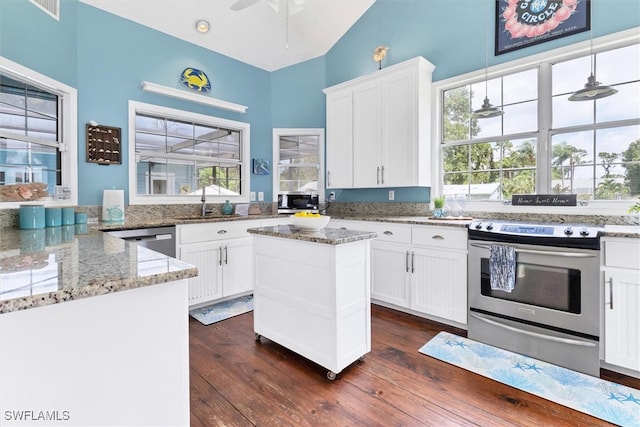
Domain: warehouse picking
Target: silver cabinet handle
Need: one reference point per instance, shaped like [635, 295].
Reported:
[534, 334]
[226, 254]
[328, 178]
[220, 255]
[413, 261]
[406, 262]
[378, 175]
[611, 293]
[222, 231]
[382, 175]
[388, 233]
[437, 237]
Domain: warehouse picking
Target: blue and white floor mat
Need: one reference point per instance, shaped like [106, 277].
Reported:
[603, 399]
[223, 310]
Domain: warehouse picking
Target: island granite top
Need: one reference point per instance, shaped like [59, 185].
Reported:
[54, 265]
[328, 236]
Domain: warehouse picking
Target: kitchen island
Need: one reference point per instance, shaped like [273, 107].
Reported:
[94, 330]
[312, 293]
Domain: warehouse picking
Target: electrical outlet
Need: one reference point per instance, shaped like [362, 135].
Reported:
[252, 196]
[392, 194]
[260, 196]
[332, 196]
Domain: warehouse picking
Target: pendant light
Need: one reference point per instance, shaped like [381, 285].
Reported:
[592, 89]
[487, 110]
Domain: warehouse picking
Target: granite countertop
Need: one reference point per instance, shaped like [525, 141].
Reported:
[328, 236]
[169, 221]
[53, 265]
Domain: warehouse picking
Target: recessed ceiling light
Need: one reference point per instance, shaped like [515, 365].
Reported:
[202, 26]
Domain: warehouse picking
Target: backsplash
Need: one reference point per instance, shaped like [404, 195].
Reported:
[140, 213]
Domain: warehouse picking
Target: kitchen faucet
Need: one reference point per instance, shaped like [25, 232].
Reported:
[203, 199]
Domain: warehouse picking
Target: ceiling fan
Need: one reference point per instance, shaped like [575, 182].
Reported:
[290, 6]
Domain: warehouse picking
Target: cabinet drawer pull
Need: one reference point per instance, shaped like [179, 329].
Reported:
[437, 237]
[388, 233]
[222, 231]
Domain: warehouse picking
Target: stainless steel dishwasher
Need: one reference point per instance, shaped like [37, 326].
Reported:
[159, 239]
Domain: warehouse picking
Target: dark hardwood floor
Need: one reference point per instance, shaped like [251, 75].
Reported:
[236, 381]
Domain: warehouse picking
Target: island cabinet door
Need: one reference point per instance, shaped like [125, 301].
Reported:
[208, 258]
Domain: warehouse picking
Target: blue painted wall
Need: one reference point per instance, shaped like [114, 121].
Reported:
[106, 57]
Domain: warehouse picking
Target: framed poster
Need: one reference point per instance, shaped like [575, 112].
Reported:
[523, 23]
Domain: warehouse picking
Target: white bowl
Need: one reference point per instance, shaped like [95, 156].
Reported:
[310, 223]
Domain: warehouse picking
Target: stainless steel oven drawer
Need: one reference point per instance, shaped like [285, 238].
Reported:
[539, 343]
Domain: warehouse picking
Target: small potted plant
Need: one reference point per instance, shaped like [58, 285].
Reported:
[438, 204]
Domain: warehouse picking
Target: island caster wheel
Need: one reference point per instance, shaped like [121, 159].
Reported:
[258, 336]
[361, 358]
[331, 375]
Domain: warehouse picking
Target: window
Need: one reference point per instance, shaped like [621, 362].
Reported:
[37, 118]
[545, 143]
[179, 155]
[299, 157]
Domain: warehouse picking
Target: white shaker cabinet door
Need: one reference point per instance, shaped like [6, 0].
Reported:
[366, 135]
[206, 257]
[237, 268]
[390, 272]
[622, 318]
[339, 144]
[439, 283]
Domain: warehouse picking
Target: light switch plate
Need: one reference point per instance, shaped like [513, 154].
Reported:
[392, 195]
[252, 196]
[260, 196]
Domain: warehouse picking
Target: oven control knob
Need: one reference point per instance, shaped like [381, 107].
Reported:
[490, 226]
[568, 231]
[478, 226]
[584, 232]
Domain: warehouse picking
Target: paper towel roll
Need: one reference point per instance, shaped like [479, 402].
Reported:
[113, 205]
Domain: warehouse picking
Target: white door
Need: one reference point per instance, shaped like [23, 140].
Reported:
[339, 173]
[237, 268]
[439, 283]
[207, 285]
[366, 135]
[399, 120]
[622, 318]
[390, 272]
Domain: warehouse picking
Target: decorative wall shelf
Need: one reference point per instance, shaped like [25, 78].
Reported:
[103, 144]
[193, 97]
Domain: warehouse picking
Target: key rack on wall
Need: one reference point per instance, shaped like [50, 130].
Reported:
[103, 144]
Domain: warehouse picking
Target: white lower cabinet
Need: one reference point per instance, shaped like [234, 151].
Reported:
[421, 268]
[223, 254]
[622, 303]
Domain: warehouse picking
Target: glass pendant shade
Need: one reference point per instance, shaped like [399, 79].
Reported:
[592, 90]
[487, 110]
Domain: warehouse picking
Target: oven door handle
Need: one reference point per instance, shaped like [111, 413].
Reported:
[534, 334]
[533, 251]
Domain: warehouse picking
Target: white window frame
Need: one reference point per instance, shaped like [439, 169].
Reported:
[277, 133]
[610, 41]
[143, 108]
[68, 124]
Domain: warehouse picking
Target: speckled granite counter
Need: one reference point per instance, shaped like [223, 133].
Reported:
[328, 236]
[161, 221]
[43, 267]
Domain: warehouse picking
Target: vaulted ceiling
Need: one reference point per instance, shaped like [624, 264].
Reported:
[268, 34]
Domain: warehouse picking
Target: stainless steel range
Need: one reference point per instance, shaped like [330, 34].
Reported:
[534, 290]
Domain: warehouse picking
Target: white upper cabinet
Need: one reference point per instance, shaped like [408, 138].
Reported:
[385, 130]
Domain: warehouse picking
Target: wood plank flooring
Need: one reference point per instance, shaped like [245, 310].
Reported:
[236, 381]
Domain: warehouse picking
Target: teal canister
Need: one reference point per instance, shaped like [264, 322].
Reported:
[81, 218]
[53, 217]
[227, 208]
[31, 217]
[68, 216]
